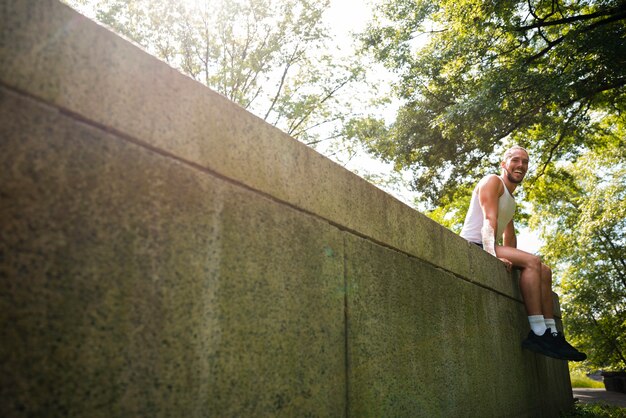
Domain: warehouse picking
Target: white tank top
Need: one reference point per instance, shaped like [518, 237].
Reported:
[474, 218]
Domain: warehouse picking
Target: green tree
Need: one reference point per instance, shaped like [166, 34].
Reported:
[269, 56]
[581, 209]
[475, 75]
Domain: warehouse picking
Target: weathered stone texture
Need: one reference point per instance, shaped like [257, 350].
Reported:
[424, 343]
[133, 285]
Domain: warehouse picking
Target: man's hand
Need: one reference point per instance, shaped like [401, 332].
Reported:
[507, 263]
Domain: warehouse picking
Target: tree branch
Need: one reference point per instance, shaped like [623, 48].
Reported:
[308, 128]
[561, 137]
[546, 49]
[608, 242]
[293, 58]
[617, 11]
[608, 339]
[616, 15]
[330, 94]
[600, 89]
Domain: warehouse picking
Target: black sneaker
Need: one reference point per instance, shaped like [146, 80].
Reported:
[542, 344]
[564, 348]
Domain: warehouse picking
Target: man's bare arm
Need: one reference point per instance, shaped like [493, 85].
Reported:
[488, 194]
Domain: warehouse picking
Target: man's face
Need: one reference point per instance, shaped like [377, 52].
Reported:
[516, 166]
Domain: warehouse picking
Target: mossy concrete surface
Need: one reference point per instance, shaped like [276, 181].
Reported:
[133, 285]
[165, 253]
[423, 343]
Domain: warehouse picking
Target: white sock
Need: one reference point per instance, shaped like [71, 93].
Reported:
[551, 323]
[537, 324]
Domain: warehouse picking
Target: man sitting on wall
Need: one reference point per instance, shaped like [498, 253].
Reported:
[490, 216]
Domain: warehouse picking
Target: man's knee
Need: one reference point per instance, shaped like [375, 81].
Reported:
[535, 263]
[546, 272]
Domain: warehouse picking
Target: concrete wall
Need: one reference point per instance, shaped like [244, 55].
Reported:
[164, 253]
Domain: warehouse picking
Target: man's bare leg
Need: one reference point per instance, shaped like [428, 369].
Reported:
[531, 284]
[536, 288]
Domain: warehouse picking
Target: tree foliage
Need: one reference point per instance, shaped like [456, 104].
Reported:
[272, 57]
[476, 75]
[581, 209]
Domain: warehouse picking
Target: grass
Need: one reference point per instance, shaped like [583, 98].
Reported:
[594, 411]
[579, 380]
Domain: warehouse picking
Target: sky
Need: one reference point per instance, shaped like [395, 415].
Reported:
[348, 15]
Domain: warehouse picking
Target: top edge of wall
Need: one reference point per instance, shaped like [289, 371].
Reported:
[56, 55]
